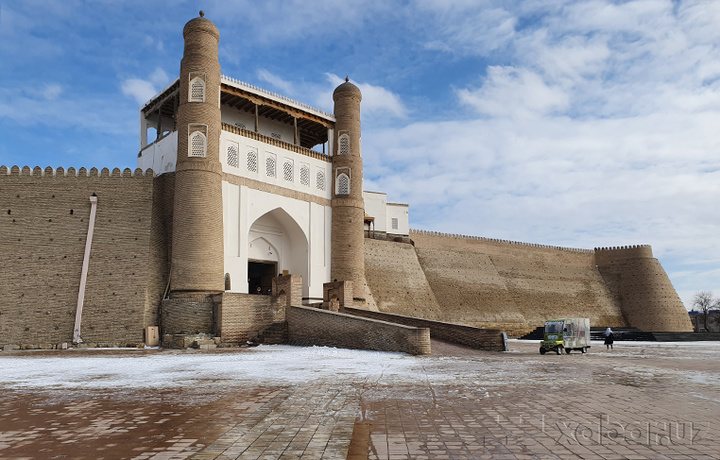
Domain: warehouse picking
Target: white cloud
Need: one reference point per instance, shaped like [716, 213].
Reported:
[142, 90]
[376, 100]
[282, 85]
[52, 91]
[508, 91]
[469, 28]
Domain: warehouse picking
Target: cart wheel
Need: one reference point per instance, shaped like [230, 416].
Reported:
[542, 350]
[558, 350]
[584, 350]
[567, 350]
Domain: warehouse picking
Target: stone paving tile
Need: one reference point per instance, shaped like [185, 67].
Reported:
[636, 406]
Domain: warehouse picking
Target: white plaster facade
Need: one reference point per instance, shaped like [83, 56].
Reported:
[387, 217]
[276, 201]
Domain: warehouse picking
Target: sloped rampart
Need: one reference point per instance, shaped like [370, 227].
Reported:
[648, 299]
[512, 286]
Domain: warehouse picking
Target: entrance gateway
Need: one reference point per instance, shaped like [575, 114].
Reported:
[260, 275]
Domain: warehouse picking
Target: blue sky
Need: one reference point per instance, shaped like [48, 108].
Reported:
[570, 123]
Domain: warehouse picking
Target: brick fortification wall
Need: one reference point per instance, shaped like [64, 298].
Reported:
[44, 224]
[397, 281]
[494, 284]
[312, 326]
[243, 317]
[649, 300]
[482, 339]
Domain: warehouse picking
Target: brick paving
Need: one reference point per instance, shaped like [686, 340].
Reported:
[635, 402]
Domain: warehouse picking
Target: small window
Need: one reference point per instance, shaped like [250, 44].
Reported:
[252, 161]
[197, 87]
[288, 171]
[197, 141]
[270, 166]
[320, 180]
[343, 185]
[344, 145]
[394, 223]
[232, 154]
[305, 175]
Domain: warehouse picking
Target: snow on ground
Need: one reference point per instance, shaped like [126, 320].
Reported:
[282, 364]
[128, 369]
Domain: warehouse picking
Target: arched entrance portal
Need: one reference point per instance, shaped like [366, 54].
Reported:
[276, 243]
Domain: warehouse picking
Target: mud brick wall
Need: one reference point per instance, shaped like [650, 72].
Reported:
[44, 223]
[648, 298]
[510, 286]
[482, 339]
[288, 287]
[245, 316]
[160, 246]
[313, 326]
[397, 281]
[188, 315]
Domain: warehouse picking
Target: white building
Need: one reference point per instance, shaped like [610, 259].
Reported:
[277, 179]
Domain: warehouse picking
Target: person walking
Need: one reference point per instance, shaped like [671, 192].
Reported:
[609, 338]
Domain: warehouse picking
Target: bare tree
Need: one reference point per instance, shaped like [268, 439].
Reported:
[704, 301]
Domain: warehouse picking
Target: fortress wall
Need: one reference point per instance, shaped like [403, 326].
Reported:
[160, 246]
[44, 222]
[396, 280]
[606, 256]
[482, 339]
[513, 286]
[244, 316]
[313, 326]
[648, 298]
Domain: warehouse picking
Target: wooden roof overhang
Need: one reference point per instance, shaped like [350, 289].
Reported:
[312, 129]
[165, 102]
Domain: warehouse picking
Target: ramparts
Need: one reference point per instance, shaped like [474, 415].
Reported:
[481, 339]
[312, 326]
[44, 223]
[512, 286]
[648, 299]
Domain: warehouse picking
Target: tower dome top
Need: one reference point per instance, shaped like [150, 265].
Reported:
[201, 24]
[348, 89]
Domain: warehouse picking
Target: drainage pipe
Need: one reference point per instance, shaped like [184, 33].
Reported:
[83, 275]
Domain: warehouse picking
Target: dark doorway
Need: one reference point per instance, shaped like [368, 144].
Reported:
[260, 275]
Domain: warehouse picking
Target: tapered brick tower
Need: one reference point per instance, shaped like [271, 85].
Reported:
[197, 244]
[348, 207]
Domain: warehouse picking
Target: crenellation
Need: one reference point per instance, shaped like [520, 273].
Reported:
[195, 220]
[494, 240]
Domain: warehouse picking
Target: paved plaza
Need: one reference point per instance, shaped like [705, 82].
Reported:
[640, 400]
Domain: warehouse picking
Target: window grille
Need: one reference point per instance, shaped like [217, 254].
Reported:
[270, 167]
[343, 185]
[305, 175]
[344, 145]
[320, 180]
[197, 145]
[394, 223]
[197, 89]
[288, 171]
[232, 155]
[252, 161]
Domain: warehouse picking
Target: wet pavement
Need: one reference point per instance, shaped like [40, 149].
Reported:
[640, 400]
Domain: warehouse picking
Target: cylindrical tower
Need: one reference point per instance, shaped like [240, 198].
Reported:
[348, 207]
[197, 243]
